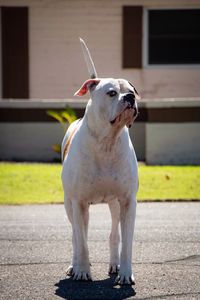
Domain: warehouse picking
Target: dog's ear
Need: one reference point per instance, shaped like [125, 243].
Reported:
[137, 96]
[88, 84]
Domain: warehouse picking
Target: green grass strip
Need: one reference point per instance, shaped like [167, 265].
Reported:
[31, 183]
[169, 183]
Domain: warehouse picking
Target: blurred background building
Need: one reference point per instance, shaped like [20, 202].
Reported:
[155, 44]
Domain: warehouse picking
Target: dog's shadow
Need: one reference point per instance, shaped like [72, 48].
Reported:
[94, 290]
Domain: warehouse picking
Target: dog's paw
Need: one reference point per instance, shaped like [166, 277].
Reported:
[113, 269]
[124, 279]
[70, 271]
[82, 274]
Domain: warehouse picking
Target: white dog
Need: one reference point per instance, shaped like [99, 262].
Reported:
[99, 165]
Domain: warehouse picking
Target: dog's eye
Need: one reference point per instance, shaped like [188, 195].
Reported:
[112, 93]
[131, 92]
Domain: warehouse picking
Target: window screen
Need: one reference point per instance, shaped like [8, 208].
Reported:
[174, 36]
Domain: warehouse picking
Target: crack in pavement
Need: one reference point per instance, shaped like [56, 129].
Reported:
[190, 257]
[168, 296]
[98, 262]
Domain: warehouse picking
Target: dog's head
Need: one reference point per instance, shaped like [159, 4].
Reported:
[114, 100]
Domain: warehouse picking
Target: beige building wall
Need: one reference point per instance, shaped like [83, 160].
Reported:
[57, 67]
[30, 141]
[163, 137]
[173, 144]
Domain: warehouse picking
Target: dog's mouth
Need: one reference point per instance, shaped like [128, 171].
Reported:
[126, 117]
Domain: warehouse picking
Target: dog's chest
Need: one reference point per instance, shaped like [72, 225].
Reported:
[105, 182]
[93, 175]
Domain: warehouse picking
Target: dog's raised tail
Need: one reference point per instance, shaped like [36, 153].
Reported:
[88, 59]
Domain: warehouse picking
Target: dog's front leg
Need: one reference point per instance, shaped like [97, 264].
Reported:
[80, 224]
[114, 237]
[127, 219]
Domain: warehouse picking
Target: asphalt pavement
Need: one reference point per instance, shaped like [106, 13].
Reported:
[35, 250]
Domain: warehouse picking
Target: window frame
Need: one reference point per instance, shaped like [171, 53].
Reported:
[145, 44]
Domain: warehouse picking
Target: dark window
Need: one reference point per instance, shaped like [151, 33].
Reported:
[15, 65]
[132, 36]
[174, 36]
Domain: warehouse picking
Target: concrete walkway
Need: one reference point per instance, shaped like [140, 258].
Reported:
[35, 249]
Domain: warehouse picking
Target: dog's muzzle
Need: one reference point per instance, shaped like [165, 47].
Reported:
[130, 99]
[129, 103]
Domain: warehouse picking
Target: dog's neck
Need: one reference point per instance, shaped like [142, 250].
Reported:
[105, 137]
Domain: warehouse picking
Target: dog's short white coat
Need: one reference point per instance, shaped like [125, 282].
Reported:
[99, 167]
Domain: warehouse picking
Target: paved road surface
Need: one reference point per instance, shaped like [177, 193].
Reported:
[35, 249]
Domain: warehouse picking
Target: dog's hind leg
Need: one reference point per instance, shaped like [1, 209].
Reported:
[114, 237]
[68, 207]
[80, 225]
[86, 220]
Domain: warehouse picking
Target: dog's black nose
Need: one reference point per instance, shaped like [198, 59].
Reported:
[130, 99]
